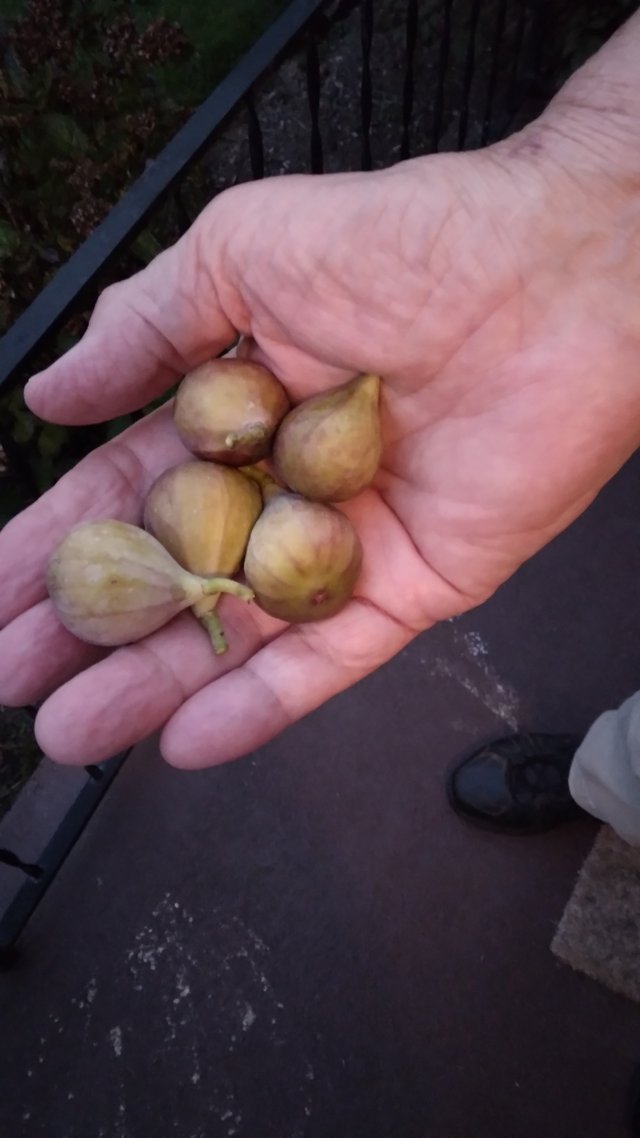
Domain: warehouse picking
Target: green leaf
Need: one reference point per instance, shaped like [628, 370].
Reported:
[116, 426]
[22, 422]
[15, 74]
[64, 342]
[146, 246]
[9, 239]
[51, 440]
[64, 133]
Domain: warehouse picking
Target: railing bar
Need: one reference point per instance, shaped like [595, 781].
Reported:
[49, 310]
[254, 135]
[407, 95]
[443, 62]
[55, 853]
[8, 857]
[313, 95]
[366, 101]
[498, 39]
[469, 68]
[512, 97]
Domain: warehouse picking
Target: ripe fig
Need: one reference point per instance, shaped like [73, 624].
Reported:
[303, 559]
[328, 448]
[203, 514]
[111, 583]
[227, 411]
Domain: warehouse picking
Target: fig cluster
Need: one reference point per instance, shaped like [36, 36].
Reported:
[219, 516]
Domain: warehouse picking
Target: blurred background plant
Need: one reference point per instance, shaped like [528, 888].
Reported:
[90, 91]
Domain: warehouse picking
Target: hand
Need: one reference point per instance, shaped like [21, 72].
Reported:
[492, 291]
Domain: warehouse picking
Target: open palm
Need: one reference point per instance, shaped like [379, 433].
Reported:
[490, 294]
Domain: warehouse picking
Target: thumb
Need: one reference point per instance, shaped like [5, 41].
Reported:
[144, 332]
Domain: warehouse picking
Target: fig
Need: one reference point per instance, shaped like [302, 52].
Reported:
[111, 583]
[228, 410]
[302, 560]
[328, 448]
[202, 514]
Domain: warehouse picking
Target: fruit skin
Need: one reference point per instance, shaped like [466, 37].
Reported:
[203, 514]
[303, 559]
[328, 448]
[228, 410]
[111, 583]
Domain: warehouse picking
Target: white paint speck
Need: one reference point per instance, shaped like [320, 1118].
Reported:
[115, 1035]
[475, 674]
[475, 644]
[183, 989]
[92, 989]
[249, 1018]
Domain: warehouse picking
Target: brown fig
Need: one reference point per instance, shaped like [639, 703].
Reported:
[111, 583]
[203, 514]
[303, 559]
[328, 448]
[228, 410]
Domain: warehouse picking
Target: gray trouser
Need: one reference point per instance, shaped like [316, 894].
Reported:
[605, 773]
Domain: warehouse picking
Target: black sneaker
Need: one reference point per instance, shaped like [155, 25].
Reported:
[516, 785]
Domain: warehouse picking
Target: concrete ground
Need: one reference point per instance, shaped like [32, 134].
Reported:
[308, 944]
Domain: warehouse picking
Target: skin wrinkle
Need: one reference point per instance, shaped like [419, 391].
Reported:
[413, 541]
[338, 657]
[165, 351]
[285, 714]
[59, 653]
[144, 650]
[130, 471]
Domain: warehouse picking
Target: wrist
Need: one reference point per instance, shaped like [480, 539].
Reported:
[591, 129]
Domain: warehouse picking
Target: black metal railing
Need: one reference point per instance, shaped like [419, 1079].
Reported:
[467, 70]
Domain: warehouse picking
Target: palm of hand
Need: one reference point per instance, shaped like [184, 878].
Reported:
[509, 398]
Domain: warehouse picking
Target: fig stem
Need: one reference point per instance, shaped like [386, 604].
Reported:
[205, 605]
[211, 585]
[269, 486]
[213, 625]
[253, 434]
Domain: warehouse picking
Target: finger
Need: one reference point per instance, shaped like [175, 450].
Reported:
[37, 655]
[143, 334]
[283, 682]
[112, 482]
[131, 694]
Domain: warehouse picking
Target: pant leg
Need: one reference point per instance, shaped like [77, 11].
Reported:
[605, 774]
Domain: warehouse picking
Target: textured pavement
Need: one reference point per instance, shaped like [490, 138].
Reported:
[307, 944]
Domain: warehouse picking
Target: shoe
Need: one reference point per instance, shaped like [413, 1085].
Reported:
[516, 785]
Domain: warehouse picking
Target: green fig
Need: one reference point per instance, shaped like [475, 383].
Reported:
[111, 583]
[328, 448]
[203, 514]
[228, 410]
[302, 560]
